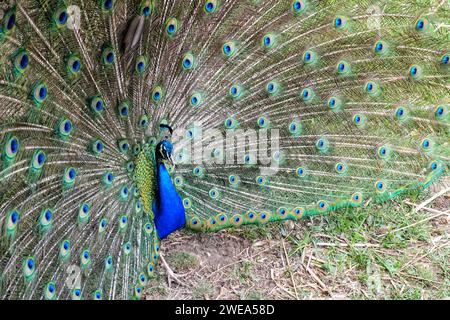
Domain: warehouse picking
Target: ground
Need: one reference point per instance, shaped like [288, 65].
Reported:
[398, 250]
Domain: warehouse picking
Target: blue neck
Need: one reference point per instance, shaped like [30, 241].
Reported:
[168, 207]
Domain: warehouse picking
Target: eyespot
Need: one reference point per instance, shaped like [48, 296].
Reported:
[76, 294]
[141, 64]
[64, 128]
[359, 120]
[340, 168]
[187, 203]
[230, 123]
[97, 104]
[380, 186]
[29, 268]
[198, 171]
[273, 88]
[335, 103]
[372, 89]
[307, 94]
[445, 60]
[214, 193]
[269, 41]
[421, 24]
[39, 93]
[124, 109]
[146, 8]
[97, 147]
[98, 293]
[12, 222]
[64, 250]
[380, 48]
[73, 65]
[295, 128]
[383, 152]
[301, 172]
[263, 122]
[298, 6]
[261, 181]
[157, 94]
[70, 175]
[11, 147]
[401, 114]
[322, 145]
[234, 180]
[441, 112]
[60, 17]
[211, 6]
[50, 291]
[427, 144]
[322, 206]
[343, 68]
[282, 212]
[416, 72]
[127, 248]
[340, 23]
[9, 20]
[264, 217]
[298, 212]
[124, 192]
[123, 222]
[188, 61]
[143, 122]
[46, 217]
[357, 198]
[150, 269]
[124, 146]
[108, 178]
[196, 99]
[107, 5]
[21, 61]
[229, 49]
[108, 56]
[171, 26]
[249, 159]
[236, 91]
[309, 57]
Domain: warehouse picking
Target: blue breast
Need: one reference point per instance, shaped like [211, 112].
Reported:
[168, 207]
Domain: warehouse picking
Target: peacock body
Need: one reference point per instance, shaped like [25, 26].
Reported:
[280, 109]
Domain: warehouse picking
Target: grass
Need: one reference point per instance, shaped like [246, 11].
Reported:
[383, 251]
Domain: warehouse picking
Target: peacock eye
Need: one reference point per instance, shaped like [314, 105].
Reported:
[343, 68]
[141, 64]
[421, 24]
[157, 94]
[9, 20]
[263, 122]
[211, 6]
[269, 41]
[307, 95]
[188, 61]
[236, 91]
[60, 17]
[21, 61]
[108, 56]
[309, 57]
[107, 5]
[340, 23]
[97, 104]
[229, 49]
[298, 6]
[171, 26]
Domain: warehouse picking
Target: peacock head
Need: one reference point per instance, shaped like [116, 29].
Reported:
[164, 148]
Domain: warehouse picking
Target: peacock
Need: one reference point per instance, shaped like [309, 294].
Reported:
[124, 121]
